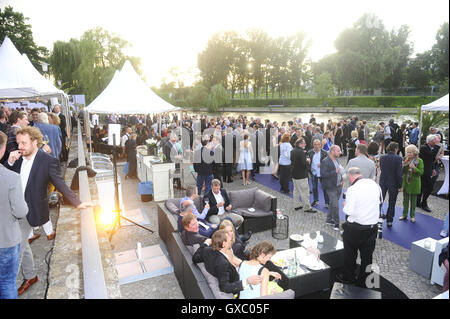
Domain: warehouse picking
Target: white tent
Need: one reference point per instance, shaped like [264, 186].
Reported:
[19, 78]
[440, 105]
[127, 93]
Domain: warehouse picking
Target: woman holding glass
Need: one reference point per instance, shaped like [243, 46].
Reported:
[412, 170]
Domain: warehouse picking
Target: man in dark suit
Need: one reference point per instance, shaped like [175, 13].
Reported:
[428, 153]
[203, 158]
[220, 205]
[3, 122]
[299, 164]
[218, 265]
[63, 127]
[331, 173]
[190, 234]
[36, 169]
[17, 119]
[391, 178]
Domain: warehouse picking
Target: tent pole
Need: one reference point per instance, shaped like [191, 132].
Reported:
[420, 130]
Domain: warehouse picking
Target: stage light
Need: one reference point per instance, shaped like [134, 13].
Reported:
[107, 219]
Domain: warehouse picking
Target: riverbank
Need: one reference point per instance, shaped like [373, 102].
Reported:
[285, 109]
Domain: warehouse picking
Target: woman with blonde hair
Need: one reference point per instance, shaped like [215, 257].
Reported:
[412, 171]
[238, 246]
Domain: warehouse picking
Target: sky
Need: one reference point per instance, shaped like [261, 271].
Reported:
[171, 33]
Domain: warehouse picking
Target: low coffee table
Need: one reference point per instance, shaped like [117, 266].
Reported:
[302, 279]
[331, 249]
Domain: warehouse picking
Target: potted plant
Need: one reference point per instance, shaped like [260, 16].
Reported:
[151, 147]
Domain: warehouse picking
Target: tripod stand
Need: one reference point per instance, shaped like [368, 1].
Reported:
[117, 225]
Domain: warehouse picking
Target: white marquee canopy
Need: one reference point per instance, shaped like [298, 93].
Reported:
[127, 93]
[441, 105]
[19, 78]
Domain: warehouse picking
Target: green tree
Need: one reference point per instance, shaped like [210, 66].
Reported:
[324, 87]
[419, 71]
[88, 65]
[397, 58]
[198, 96]
[440, 54]
[218, 98]
[14, 26]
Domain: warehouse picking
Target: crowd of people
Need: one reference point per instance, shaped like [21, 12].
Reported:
[226, 149]
[32, 144]
[386, 160]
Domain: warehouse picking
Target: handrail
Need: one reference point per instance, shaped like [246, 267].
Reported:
[93, 276]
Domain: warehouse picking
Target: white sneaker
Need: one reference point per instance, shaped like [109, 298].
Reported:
[443, 233]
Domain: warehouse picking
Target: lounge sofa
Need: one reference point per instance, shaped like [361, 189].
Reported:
[259, 219]
[194, 280]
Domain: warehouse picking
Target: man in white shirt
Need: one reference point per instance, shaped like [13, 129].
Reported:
[362, 206]
[220, 205]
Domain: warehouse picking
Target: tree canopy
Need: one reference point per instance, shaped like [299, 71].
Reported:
[87, 65]
[14, 26]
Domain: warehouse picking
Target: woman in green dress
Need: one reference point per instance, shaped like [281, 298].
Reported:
[412, 170]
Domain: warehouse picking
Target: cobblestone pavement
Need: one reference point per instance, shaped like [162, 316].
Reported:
[392, 259]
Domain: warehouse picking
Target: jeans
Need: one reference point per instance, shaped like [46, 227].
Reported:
[393, 193]
[9, 268]
[333, 209]
[315, 189]
[446, 224]
[207, 180]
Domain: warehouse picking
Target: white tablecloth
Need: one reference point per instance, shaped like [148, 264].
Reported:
[444, 188]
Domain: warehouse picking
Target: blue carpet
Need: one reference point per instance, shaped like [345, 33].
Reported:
[402, 233]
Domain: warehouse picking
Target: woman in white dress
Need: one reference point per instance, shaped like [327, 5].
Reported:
[245, 163]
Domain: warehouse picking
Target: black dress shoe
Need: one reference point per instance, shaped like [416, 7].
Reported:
[247, 236]
[426, 208]
[342, 279]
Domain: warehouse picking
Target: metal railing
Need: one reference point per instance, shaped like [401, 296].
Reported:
[93, 276]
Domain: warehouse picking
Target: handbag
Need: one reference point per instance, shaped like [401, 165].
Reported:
[272, 285]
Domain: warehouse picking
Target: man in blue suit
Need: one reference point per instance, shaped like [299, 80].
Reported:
[36, 169]
[391, 178]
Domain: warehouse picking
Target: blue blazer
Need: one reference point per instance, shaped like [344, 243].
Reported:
[391, 170]
[42, 172]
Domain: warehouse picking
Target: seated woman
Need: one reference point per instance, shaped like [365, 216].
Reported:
[259, 254]
[238, 246]
[220, 265]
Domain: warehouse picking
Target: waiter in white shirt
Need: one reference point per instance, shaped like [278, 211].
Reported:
[362, 206]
